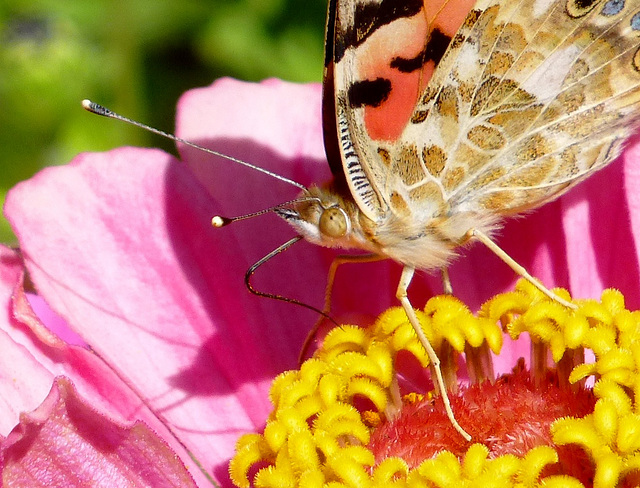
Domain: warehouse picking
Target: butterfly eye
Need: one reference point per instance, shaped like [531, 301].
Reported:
[333, 222]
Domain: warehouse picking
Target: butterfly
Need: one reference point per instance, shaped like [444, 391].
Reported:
[441, 118]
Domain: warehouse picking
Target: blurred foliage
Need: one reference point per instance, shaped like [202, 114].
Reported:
[136, 57]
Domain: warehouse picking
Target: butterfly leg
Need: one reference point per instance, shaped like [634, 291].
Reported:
[331, 276]
[446, 281]
[405, 280]
[498, 251]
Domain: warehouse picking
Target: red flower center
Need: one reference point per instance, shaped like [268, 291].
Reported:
[511, 416]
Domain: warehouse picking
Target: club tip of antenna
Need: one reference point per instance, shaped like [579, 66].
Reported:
[94, 107]
[219, 221]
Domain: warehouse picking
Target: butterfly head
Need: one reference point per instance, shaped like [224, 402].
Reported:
[325, 217]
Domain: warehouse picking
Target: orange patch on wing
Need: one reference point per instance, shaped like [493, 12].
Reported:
[386, 122]
[448, 15]
[405, 38]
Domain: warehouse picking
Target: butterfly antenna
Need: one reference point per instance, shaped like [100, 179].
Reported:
[105, 112]
[250, 272]
[220, 221]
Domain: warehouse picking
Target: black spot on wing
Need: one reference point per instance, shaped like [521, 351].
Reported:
[585, 3]
[580, 8]
[437, 45]
[369, 92]
[405, 65]
[369, 17]
[433, 51]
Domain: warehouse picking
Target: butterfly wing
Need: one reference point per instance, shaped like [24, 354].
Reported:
[380, 57]
[531, 98]
[527, 100]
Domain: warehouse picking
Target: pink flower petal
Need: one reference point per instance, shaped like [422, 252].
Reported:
[601, 247]
[121, 246]
[274, 124]
[32, 357]
[67, 443]
[54, 322]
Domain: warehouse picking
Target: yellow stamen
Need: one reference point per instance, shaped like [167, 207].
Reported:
[316, 437]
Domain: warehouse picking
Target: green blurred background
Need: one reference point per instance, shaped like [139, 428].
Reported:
[136, 57]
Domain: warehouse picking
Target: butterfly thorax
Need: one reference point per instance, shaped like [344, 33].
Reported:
[331, 218]
[431, 242]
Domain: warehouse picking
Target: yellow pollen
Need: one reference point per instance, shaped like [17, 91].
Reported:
[318, 432]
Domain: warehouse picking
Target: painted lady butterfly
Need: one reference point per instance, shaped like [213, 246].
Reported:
[442, 117]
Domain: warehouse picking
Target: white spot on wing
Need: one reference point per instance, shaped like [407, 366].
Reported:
[547, 79]
[467, 62]
[541, 6]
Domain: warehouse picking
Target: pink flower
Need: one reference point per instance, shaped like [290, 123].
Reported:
[119, 245]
